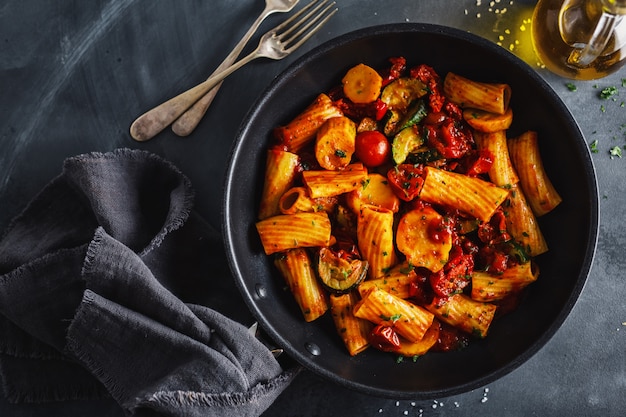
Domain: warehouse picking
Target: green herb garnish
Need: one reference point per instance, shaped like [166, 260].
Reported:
[608, 92]
[616, 151]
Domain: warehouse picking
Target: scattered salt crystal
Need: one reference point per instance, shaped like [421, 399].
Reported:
[380, 410]
[397, 403]
[456, 404]
[412, 403]
[484, 400]
[406, 413]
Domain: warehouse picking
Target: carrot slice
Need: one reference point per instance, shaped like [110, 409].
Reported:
[362, 84]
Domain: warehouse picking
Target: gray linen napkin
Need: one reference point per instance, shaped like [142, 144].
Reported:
[105, 279]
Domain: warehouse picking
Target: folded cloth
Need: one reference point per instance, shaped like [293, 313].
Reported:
[106, 283]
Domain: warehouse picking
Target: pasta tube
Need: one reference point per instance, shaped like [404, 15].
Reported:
[396, 282]
[541, 194]
[375, 239]
[297, 200]
[460, 311]
[335, 143]
[302, 129]
[280, 172]
[502, 172]
[289, 231]
[295, 267]
[409, 320]
[323, 183]
[352, 330]
[490, 97]
[470, 195]
[488, 287]
[522, 223]
[415, 238]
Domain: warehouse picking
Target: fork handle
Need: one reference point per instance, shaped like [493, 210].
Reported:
[152, 122]
[188, 121]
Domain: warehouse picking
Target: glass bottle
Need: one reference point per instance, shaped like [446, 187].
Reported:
[580, 39]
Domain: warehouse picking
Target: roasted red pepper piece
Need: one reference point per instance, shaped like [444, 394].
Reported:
[398, 66]
[429, 76]
[494, 231]
[406, 180]
[450, 140]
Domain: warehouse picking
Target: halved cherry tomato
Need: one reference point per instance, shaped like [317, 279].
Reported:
[455, 275]
[372, 148]
[384, 338]
[406, 180]
[450, 339]
[478, 162]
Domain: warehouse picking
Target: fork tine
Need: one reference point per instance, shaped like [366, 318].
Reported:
[310, 19]
[299, 13]
[303, 30]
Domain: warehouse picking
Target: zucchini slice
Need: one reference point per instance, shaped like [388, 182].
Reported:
[407, 141]
[416, 113]
[401, 92]
[340, 275]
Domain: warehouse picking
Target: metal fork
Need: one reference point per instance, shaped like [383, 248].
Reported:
[188, 121]
[276, 44]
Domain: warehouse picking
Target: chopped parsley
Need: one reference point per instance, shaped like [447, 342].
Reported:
[608, 92]
[616, 151]
[593, 146]
[571, 86]
[340, 153]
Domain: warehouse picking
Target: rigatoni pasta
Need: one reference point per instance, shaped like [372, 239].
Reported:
[301, 230]
[403, 251]
[541, 194]
[295, 267]
[353, 330]
[280, 173]
[490, 97]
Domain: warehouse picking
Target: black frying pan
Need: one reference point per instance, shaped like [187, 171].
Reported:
[571, 230]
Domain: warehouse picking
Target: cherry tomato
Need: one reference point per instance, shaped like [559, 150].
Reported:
[384, 338]
[454, 277]
[372, 148]
[450, 339]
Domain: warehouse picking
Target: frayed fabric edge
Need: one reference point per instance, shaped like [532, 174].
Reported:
[75, 349]
[194, 399]
[138, 154]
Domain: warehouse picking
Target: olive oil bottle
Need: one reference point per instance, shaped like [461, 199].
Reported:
[580, 39]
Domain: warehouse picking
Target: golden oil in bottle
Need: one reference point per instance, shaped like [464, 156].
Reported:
[560, 27]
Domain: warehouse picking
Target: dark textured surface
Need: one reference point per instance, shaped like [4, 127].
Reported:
[74, 75]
